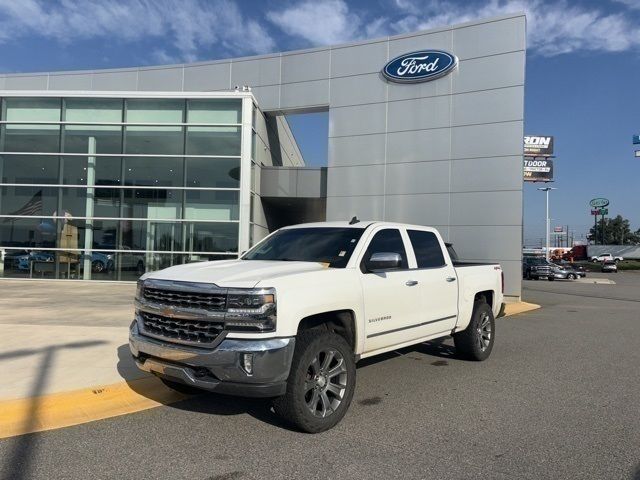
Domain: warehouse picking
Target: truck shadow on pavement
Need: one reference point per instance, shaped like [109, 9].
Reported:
[205, 402]
[259, 408]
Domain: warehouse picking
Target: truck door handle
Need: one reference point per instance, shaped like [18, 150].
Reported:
[411, 283]
[451, 279]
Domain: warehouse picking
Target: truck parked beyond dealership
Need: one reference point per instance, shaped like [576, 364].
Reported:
[291, 317]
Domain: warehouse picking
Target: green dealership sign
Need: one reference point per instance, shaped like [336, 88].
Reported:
[599, 202]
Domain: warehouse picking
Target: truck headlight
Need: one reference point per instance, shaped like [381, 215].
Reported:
[251, 309]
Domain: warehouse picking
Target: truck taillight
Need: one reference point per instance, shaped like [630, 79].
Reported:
[502, 278]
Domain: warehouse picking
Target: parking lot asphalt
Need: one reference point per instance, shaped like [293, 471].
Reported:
[558, 398]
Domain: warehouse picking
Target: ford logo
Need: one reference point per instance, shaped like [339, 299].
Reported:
[599, 202]
[419, 66]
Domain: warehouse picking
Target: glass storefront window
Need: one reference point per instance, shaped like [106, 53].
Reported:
[106, 202]
[42, 138]
[212, 237]
[213, 172]
[93, 110]
[154, 110]
[106, 170]
[153, 171]
[29, 168]
[91, 139]
[214, 111]
[32, 109]
[151, 203]
[213, 141]
[153, 140]
[28, 232]
[211, 205]
[28, 201]
[120, 167]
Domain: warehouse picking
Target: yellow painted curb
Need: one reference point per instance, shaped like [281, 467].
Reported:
[519, 307]
[37, 414]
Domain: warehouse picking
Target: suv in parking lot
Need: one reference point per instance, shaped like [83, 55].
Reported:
[535, 268]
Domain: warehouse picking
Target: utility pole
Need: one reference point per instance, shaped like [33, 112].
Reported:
[548, 223]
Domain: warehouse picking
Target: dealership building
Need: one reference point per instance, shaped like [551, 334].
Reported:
[106, 174]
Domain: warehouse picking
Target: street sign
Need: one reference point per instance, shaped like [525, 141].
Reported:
[636, 139]
[637, 153]
[599, 202]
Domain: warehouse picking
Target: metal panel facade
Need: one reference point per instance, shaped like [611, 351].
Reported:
[384, 138]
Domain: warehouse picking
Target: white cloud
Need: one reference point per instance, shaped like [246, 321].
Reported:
[319, 22]
[188, 27]
[553, 28]
[633, 4]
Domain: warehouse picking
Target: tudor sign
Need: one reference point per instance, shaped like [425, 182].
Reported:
[420, 66]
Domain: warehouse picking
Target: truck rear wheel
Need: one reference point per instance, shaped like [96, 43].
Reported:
[321, 382]
[476, 342]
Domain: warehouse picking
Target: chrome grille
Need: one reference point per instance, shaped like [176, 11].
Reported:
[194, 332]
[185, 299]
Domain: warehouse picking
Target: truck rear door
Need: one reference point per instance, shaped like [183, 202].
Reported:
[438, 284]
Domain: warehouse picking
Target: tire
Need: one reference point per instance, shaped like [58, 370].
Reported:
[551, 279]
[97, 266]
[181, 387]
[571, 276]
[315, 402]
[476, 341]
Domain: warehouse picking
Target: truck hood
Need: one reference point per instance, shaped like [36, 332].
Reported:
[234, 273]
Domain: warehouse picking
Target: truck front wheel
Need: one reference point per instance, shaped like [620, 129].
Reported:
[321, 382]
[476, 342]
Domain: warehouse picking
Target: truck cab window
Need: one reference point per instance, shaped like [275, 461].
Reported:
[427, 249]
[388, 240]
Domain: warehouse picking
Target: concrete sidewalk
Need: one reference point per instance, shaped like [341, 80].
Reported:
[66, 335]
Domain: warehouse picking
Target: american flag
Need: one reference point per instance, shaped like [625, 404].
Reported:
[32, 207]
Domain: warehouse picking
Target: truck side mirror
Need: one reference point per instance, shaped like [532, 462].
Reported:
[383, 261]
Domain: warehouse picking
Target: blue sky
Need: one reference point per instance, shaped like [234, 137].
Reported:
[583, 67]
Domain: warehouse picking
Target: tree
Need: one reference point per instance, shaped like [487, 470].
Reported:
[617, 231]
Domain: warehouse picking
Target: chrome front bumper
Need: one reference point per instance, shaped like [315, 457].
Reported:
[219, 369]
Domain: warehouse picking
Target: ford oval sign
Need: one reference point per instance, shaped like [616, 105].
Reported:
[599, 202]
[419, 66]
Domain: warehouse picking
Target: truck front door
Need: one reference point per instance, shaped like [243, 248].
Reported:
[391, 298]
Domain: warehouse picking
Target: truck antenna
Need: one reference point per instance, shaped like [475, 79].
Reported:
[354, 220]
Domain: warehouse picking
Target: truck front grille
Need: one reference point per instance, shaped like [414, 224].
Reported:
[183, 299]
[193, 332]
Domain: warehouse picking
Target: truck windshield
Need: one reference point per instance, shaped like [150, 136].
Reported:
[324, 244]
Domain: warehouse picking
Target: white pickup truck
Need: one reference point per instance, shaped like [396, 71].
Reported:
[294, 314]
[604, 257]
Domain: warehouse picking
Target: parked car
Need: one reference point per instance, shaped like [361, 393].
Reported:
[609, 266]
[100, 261]
[291, 317]
[605, 256]
[24, 261]
[568, 271]
[535, 268]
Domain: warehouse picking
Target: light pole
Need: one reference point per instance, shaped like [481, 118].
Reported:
[547, 190]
